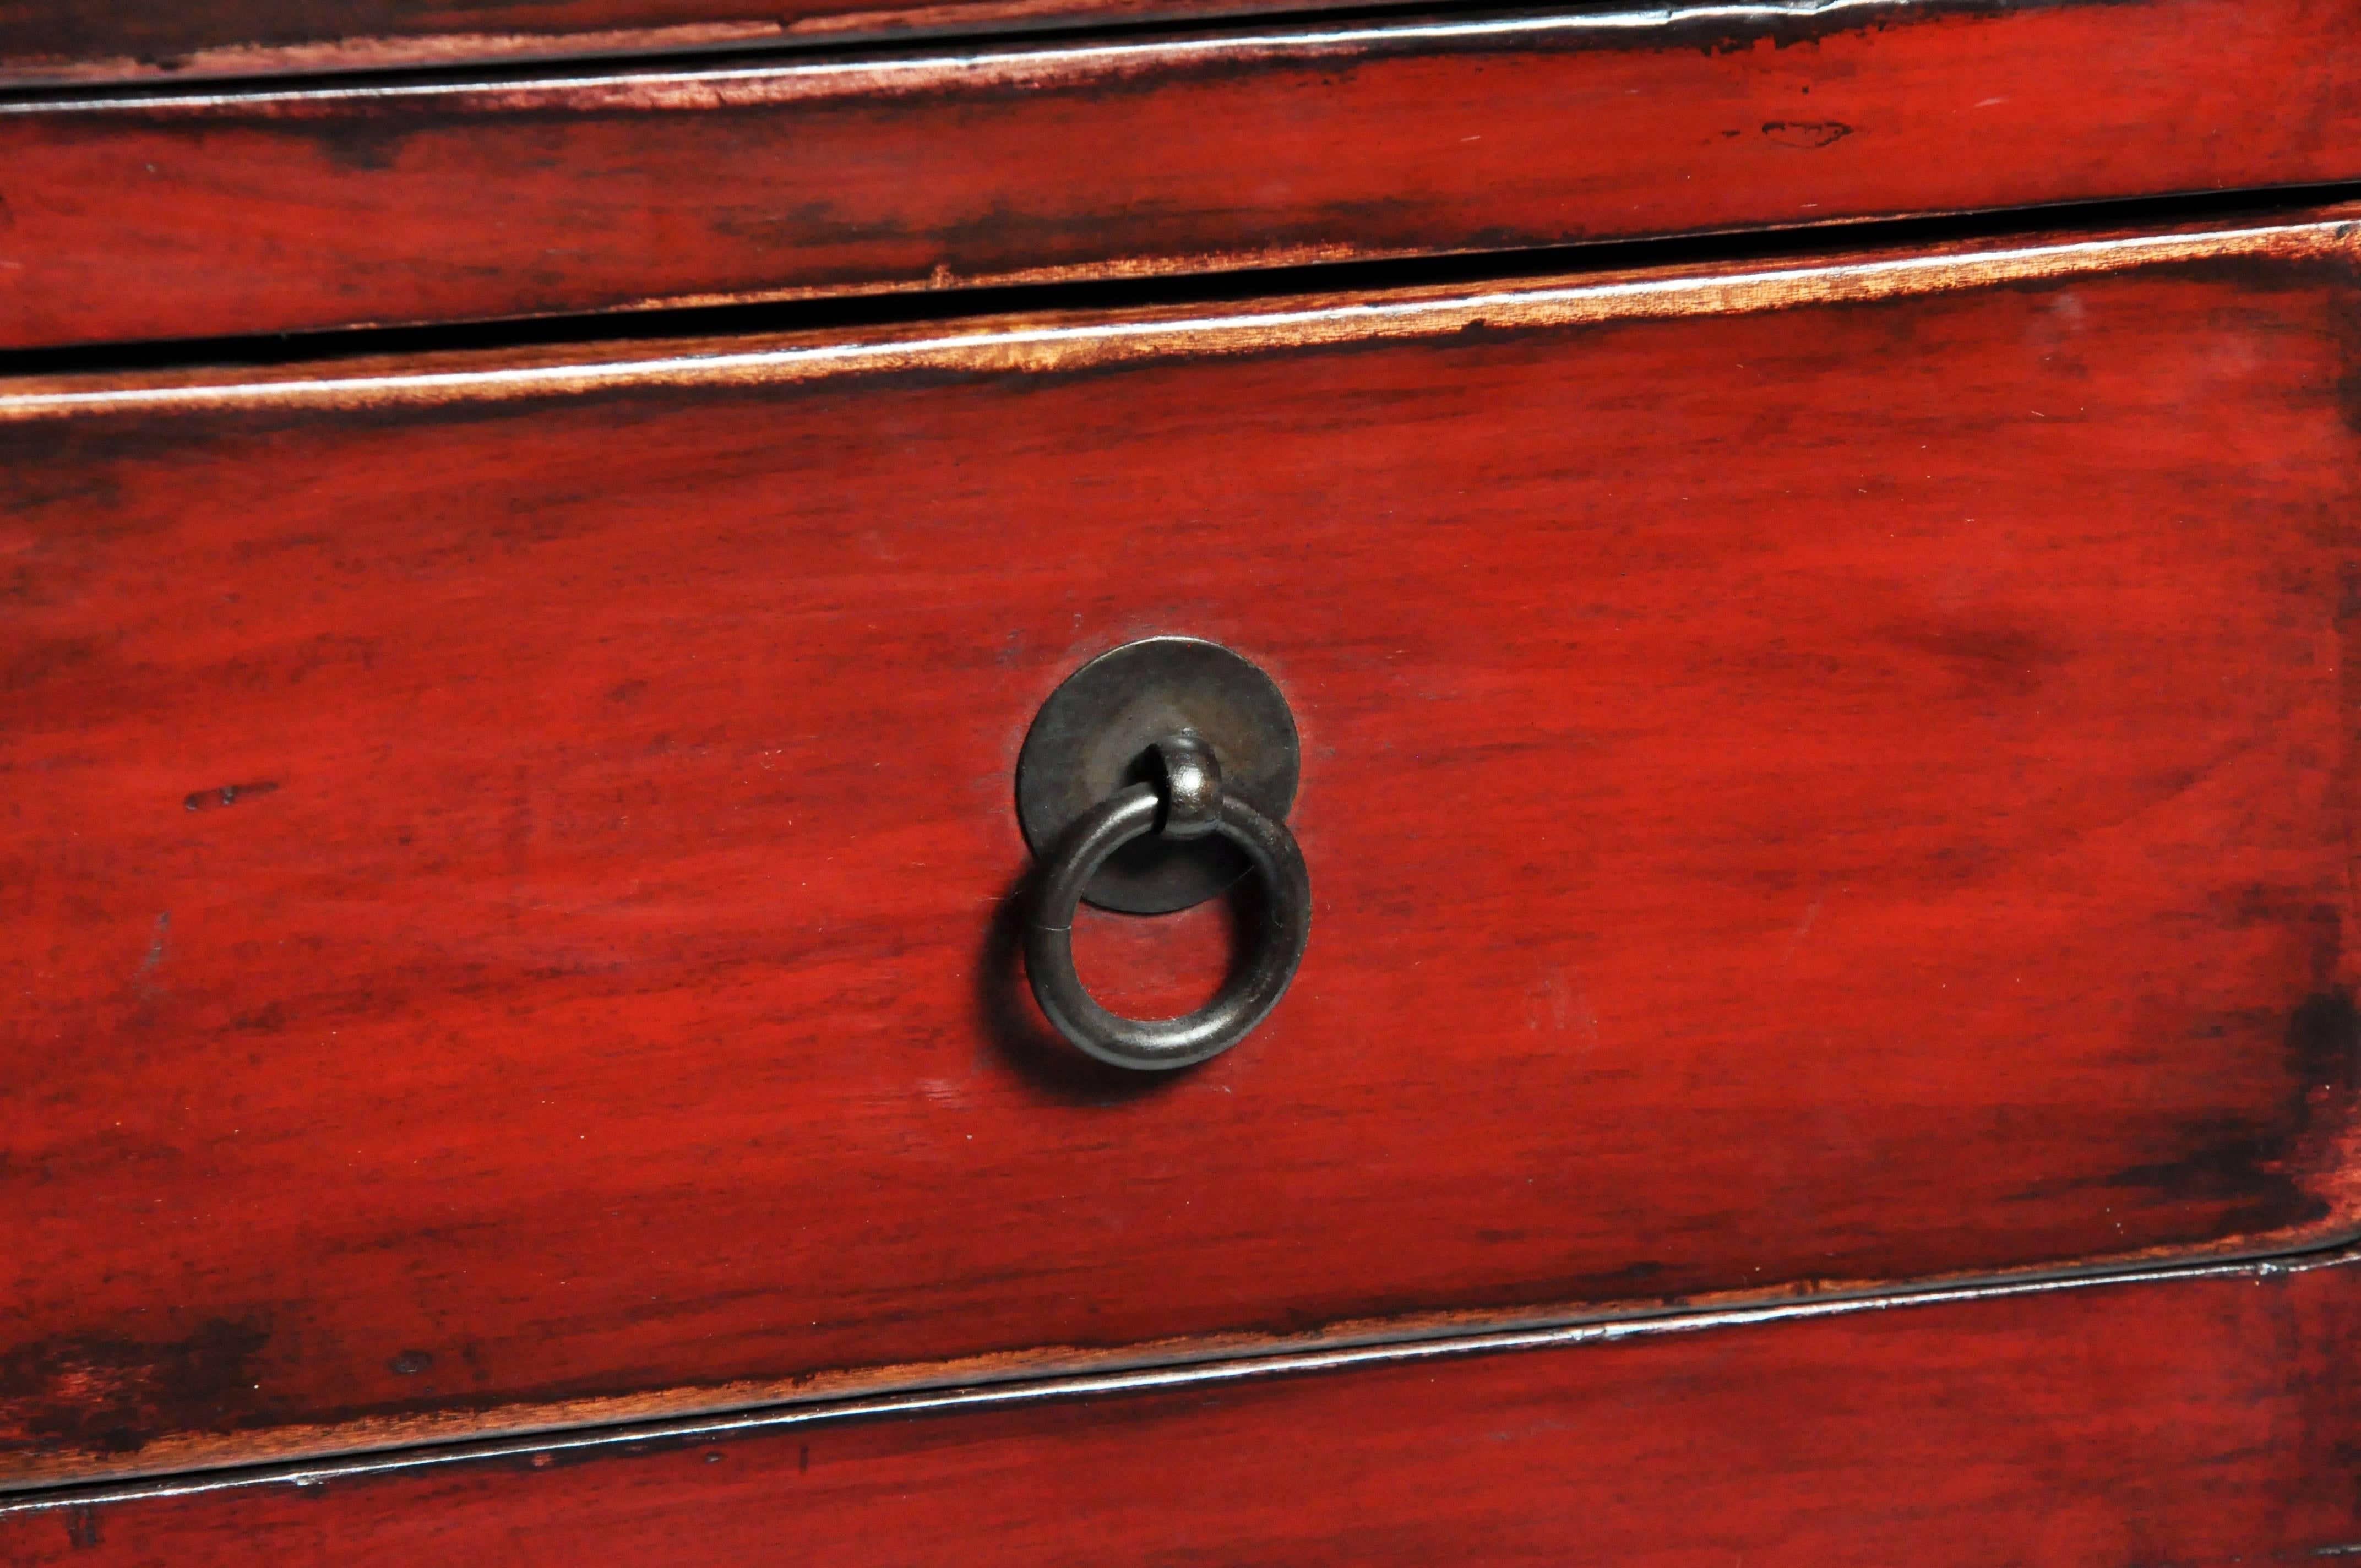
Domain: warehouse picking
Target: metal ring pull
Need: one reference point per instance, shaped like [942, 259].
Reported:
[1193, 803]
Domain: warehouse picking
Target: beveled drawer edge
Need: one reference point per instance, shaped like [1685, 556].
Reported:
[228, 63]
[624, 1432]
[1056, 343]
[987, 22]
[298, 1454]
[627, 87]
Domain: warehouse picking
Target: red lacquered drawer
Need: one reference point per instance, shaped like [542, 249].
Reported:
[1827, 775]
[199, 214]
[2200, 1420]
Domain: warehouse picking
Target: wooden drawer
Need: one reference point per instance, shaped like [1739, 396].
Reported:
[2203, 1418]
[1827, 775]
[57, 41]
[222, 212]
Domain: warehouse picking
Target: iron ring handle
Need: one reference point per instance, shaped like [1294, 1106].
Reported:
[1193, 805]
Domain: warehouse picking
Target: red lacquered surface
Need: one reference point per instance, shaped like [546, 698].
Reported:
[2204, 1420]
[1842, 776]
[46, 43]
[206, 215]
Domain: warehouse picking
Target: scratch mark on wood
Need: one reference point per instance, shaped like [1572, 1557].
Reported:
[227, 794]
[1804, 928]
[156, 946]
[1807, 134]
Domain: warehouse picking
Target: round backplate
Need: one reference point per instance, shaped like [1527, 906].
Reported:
[1092, 738]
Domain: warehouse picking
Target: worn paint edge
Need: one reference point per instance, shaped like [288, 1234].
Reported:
[621, 1438]
[494, 50]
[395, 51]
[1051, 348]
[714, 88]
[185, 1453]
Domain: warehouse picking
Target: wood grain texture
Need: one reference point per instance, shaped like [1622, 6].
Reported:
[2195, 1420]
[204, 214]
[1811, 778]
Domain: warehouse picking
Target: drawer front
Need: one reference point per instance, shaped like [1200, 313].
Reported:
[285, 211]
[2192, 1419]
[1810, 778]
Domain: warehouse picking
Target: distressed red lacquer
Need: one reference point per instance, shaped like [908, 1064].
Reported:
[514, 877]
[211, 213]
[2204, 1421]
